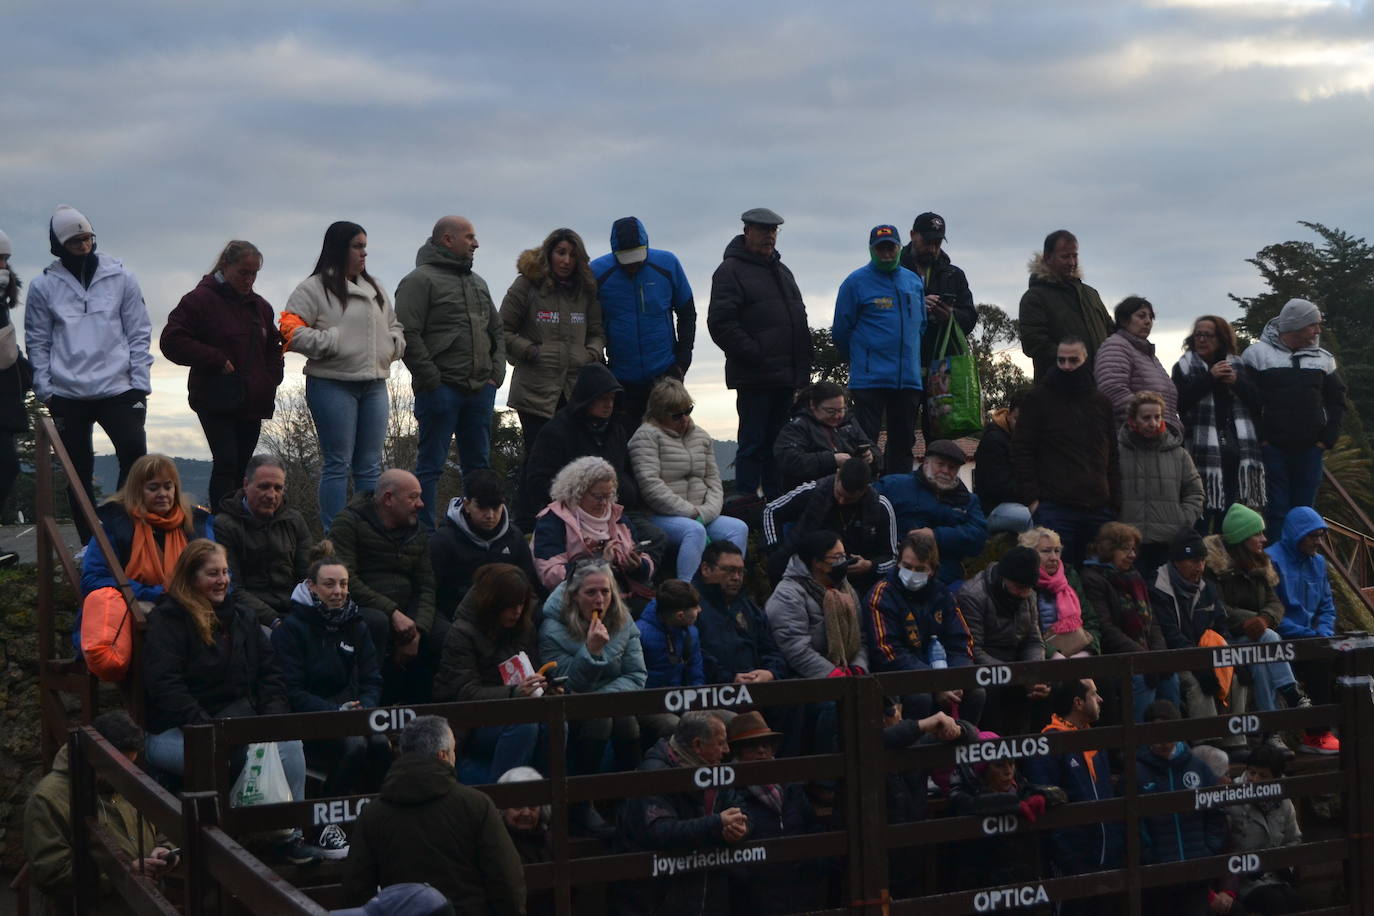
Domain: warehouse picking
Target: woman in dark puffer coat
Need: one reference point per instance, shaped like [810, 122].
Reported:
[225, 332]
[820, 437]
[493, 625]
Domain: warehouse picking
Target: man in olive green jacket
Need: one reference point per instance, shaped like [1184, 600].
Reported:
[455, 351]
[48, 824]
[379, 539]
[1058, 304]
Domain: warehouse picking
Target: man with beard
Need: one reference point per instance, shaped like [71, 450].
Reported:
[946, 288]
[879, 328]
[1085, 776]
[1058, 303]
[1064, 452]
[932, 499]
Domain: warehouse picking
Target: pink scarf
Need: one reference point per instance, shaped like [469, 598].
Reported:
[594, 529]
[1065, 598]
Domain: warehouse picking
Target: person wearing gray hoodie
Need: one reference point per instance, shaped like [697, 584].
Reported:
[87, 331]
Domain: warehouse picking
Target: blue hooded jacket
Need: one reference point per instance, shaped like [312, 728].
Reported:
[672, 655]
[880, 318]
[1304, 589]
[637, 313]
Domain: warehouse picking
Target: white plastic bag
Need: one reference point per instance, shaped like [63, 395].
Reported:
[262, 780]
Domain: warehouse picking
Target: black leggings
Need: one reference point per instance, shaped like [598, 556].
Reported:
[121, 417]
[231, 439]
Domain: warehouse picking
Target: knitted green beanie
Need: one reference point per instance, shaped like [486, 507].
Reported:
[1241, 522]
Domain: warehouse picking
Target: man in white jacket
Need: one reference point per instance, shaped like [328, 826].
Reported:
[87, 331]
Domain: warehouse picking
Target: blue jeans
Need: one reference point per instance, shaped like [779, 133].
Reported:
[1077, 528]
[1166, 689]
[689, 536]
[1268, 678]
[167, 752]
[350, 421]
[441, 414]
[506, 746]
[762, 412]
[1291, 479]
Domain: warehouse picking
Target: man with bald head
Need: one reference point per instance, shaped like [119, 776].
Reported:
[379, 538]
[455, 352]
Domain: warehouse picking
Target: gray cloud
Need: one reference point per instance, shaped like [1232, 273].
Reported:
[1176, 137]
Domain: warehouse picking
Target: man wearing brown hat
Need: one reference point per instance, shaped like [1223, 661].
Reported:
[758, 319]
[774, 810]
[933, 499]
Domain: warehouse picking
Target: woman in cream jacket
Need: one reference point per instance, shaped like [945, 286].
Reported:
[341, 320]
[674, 461]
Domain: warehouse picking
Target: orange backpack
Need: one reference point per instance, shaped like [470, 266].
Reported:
[107, 634]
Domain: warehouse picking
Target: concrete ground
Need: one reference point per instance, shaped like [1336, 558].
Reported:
[23, 540]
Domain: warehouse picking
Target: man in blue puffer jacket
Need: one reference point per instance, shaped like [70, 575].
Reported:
[1308, 609]
[641, 289]
[880, 318]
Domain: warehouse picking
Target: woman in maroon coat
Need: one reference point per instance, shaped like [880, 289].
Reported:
[225, 332]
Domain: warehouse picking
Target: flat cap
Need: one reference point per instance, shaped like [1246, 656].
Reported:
[948, 450]
[761, 216]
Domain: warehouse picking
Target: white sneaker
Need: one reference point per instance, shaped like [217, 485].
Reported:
[333, 842]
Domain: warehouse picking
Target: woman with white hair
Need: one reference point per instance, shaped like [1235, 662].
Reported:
[675, 464]
[596, 646]
[1067, 619]
[584, 520]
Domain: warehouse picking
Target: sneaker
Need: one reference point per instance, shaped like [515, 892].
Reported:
[295, 850]
[1276, 741]
[8, 558]
[1324, 743]
[333, 842]
[80, 555]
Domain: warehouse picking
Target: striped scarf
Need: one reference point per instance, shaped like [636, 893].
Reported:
[1204, 444]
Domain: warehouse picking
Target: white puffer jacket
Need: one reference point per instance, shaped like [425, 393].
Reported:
[354, 344]
[677, 475]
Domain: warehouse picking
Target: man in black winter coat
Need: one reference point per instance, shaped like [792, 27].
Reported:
[476, 530]
[845, 503]
[584, 426]
[758, 320]
[681, 825]
[947, 292]
[266, 541]
[994, 479]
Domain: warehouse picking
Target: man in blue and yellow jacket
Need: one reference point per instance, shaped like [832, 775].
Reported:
[880, 318]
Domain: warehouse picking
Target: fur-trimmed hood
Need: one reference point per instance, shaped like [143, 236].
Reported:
[1040, 271]
[532, 265]
[1220, 563]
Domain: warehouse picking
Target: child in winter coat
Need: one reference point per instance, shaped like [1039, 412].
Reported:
[672, 649]
[1265, 823]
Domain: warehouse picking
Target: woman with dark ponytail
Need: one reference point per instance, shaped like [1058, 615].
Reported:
[224, 331]
[341, 320]
[821, 436]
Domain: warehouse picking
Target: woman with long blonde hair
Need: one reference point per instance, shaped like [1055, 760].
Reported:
[148, 525]
[205, 657]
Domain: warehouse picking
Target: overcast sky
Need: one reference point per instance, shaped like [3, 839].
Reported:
[1175, 137]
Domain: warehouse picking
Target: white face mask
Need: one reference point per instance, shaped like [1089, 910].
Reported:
[913, 580]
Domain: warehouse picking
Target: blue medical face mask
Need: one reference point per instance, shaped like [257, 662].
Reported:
[912, 579]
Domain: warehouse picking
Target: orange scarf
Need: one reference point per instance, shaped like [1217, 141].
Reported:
[147, 563]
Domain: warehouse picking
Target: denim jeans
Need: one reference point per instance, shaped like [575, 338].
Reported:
[1166, 689]
[443, 413]
[689, 536]
[762, 413]
[1291, 479]
[167, 752]
[505, 746]
[1267, 678]
[350, 421]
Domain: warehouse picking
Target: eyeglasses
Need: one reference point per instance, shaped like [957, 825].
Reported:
[601, 497]
[1204, 335]
[81, 239]
[682, 414]
[833, 411]
[731, 571]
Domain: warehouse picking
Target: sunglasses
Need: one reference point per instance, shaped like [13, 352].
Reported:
[682, 414]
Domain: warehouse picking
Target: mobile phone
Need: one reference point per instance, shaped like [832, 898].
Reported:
[558, 681]
[173, 857]
[947, 299]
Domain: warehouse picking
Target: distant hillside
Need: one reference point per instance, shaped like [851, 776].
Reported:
[195, 476]
[195, 472]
